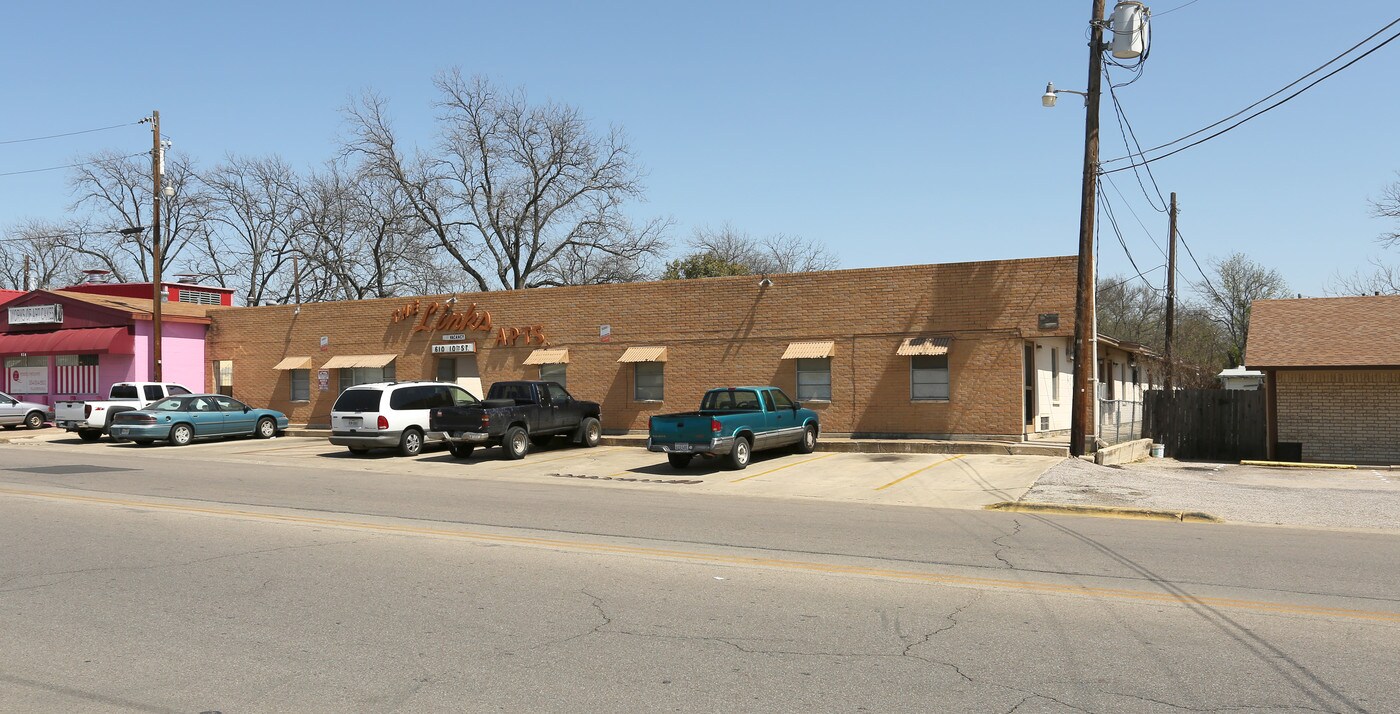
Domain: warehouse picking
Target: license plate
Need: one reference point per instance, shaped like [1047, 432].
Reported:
[353, 421]
[680, 447]
[119, 432]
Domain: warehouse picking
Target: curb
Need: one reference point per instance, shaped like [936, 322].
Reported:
[1297, 465]
[1068, 509]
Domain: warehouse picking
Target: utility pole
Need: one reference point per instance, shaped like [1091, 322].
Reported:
[158, 176]
[25, 283]
[1171, 294]
[1083, 431]
[296, 279]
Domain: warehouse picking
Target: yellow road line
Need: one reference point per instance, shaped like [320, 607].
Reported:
[907, 476]
[740, 560]
[784, 466]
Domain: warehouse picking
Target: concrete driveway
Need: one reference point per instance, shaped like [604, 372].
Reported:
[930, 480]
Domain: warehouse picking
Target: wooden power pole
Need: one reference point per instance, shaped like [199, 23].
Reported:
[157, 177]
[1083, 431]
[1171, 295]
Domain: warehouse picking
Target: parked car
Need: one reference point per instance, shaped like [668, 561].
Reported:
[392, 415]
[515, 415]
[182, 419]
[734, 422]
[93, 419]
[14, 412]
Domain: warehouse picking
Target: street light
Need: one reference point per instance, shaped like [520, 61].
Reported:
[1047, 99]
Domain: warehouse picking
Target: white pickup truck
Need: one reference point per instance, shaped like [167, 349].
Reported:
[93, 419]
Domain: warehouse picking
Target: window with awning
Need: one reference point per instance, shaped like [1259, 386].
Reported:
[643, 354]
[810, 350]
[927, 346]
[539, 357]
[289, 363]
[353, 361]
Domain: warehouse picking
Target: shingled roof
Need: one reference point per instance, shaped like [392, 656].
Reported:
[142, 307]
[1325, 332]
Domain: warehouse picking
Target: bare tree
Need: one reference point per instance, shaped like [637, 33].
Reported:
[115, 192]
[50, 263]
[1383, 280]
[778, 253]
[1238, 282]
[1131, 309]
[256, 221]
[513, 190]
[1387, 205]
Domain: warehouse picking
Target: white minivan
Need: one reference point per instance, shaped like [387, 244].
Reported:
[391, 415]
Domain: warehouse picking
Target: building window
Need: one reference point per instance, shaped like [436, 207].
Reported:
[814, 380]
[555, 373]
[649, 379]
[1055, 375]
[928, 377]
[223, 377]
[351, 376]
[301, 384]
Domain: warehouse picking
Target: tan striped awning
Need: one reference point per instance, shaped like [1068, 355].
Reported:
[347, 361]
[294, 363]
[809, 350]
[643, 354]
[925, 346]
[548, 357]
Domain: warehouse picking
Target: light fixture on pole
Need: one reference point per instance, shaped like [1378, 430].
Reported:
[1047, 99]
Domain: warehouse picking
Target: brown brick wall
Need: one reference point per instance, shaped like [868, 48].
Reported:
[719, 331]
[1347, 416]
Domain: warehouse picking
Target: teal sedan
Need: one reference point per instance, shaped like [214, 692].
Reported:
[185, 418]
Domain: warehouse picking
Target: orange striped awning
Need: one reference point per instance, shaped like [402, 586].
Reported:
[643, 354]
[294, 363]
[914, 346]
[548, 357]
[810, 350]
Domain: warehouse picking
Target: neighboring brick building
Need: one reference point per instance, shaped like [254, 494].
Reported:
[929, 350]
[1332, 375]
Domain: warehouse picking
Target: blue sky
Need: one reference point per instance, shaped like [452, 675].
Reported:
[895, 133]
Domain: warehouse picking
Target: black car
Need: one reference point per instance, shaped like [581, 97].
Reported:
[515, 415]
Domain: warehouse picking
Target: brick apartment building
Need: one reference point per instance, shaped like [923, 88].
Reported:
[1331, 375]
[930, 350]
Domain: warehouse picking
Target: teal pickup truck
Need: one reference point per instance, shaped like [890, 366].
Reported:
[734, 422]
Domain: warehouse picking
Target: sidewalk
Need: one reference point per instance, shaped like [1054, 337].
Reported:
[1362, 498]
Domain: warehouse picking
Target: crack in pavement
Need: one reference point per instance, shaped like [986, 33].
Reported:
[1227, 708]
[1002, 546]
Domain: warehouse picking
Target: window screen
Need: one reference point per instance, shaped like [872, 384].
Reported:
[928, 376]
[814, 379]
[649, 381]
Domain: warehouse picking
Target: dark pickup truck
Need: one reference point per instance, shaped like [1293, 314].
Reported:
[515, 415]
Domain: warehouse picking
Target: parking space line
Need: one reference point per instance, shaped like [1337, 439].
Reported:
[283, 448]
[907, 476]
[576, 454]
[780, 468]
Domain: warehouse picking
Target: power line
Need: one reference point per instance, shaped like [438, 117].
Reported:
[1156, 15]
[1209, 284]
[1113, 221]
[71, 133]
[1122, 123]
[1142, 275]
[1129, 205]
[1261, 101]
[69, 166]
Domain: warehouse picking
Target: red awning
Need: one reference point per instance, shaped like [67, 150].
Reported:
[87, 340]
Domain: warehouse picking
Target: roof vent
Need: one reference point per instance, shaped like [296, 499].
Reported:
[96, 276]
[187, 278]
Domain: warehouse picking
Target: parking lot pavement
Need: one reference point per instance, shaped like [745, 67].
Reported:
[931, 480]
[1362, 498]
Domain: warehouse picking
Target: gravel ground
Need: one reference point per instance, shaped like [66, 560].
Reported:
[1361, 498]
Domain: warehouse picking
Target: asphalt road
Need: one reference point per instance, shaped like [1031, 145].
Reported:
[187, 584]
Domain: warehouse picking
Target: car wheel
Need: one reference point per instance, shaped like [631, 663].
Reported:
[541, 441]
[516, 443]
[33, 420]
[267, 428]
[591, 432]
[809, 440]
[411, 443]
[740, 455]
[358, 450]
[89, 434]
[679, 461]
[461, 451]
[181, 434]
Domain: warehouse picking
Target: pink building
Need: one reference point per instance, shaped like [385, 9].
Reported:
[66, 344]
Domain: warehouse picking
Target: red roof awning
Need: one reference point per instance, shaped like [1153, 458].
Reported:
[113, 340]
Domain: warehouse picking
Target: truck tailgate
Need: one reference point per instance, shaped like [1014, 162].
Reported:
[681, 429]
[456, 419]
[69, 411]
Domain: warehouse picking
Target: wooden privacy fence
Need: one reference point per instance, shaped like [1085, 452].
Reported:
[1213, 424]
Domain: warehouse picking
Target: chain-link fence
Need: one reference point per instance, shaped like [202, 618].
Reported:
[1120, 420]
